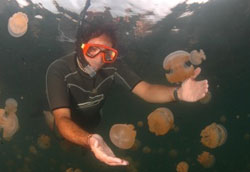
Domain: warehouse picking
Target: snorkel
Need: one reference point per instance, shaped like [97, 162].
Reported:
[82, 63]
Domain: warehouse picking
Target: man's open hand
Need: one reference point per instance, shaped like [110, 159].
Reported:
[103, 152]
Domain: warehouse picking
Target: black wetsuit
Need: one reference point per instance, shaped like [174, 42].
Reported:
[68, 86]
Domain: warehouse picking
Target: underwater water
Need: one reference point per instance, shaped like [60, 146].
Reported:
[220, 27]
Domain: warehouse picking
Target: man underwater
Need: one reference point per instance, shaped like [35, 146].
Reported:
[77, 86]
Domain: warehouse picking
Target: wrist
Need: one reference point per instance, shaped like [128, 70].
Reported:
[176, 94]
[88, 139]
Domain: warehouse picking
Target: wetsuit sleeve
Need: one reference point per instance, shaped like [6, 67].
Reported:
[126, 76]
[56, 87]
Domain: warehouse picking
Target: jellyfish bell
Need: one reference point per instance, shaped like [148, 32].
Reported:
[160, 121]
[206, 159]
[9, 123]
[18, 24]
[196, 57]
[177, 66]
[213, 135]
[43, 141]
[11, 105]
[122, 135]
[182, 167]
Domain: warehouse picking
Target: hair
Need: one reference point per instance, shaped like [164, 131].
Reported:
[94, 26]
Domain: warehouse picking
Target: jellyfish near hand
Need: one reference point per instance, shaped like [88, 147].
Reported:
[197, 57]
[177, 67]
[213, 135]
[18, 24]
[122, 135]
[11, 105]
[160, 121]
[9, 124]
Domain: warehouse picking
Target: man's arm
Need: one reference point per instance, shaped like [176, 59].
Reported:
[190, 90]
[68, 129]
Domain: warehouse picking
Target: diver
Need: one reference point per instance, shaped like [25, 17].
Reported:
[78, 84]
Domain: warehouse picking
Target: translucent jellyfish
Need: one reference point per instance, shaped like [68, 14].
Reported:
[197, 57]
[43, 141]
[136, 145]
[223, 119]
[18, 24]
[49, 118]
[182, 167]
[122, 135]
[160, 121]
[207, 98]
[173, 153]
[9, 123]
[146, 149]
[11, 105]
[140, 124]
[176, 65]
[32, 149]
[213, 135]
[206, 159]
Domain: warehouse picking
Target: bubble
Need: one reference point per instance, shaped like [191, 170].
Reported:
[196, 57]
[18, 24]
[206, 159]
[160, 121]
[43, 141]
[213, 135]
[9, 123]
[182, 167]
[122, 135]
[176, 65]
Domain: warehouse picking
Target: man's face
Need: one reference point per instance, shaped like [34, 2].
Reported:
[97, 61]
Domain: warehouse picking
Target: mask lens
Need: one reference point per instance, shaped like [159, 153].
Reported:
[93, 51]
[109, 55]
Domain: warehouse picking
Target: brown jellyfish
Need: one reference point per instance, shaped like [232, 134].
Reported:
[197, 57]
[213, 135]
[140, 124]
[122, 135]
[43, 141]
[182, 167]
[207, 98]
[146, 149]
[32, 149]
[160, 121]
[173, 153]
[11, 105]
[49, 118]
[18, 24]
[206, 159]
[176, 65]
[9, 123]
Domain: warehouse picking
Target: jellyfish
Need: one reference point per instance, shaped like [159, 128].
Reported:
[43, 141]
[18, 24]
[122, 135]
[207, 98]
[176, 65]
[160, 121]
[136, 145]
[140, 124]
[173, 153]
[213, 135]
[182, 167]
[9, 123]
[32, 149]
[11, 105]
[49, 118]
[197, 57]
[206, 159]
[146, 149]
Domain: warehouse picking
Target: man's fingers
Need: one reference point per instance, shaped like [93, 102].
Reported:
[197, 71]
[114, 161]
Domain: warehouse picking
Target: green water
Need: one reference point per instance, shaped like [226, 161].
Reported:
[220, 27]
